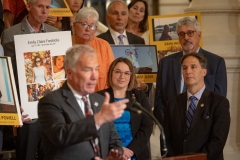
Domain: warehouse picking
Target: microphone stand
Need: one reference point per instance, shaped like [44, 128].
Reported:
[139, 109]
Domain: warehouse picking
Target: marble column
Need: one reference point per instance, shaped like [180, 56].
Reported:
[221, 35]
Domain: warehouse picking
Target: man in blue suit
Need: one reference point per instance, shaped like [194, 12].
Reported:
[170, 81]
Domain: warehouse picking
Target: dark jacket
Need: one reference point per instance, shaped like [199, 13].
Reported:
[141, 124]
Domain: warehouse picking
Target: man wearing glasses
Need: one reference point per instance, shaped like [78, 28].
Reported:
[170, 81]
[29, 136]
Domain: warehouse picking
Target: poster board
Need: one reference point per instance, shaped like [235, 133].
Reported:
[163, 32]
[40, 65]
[10, 113]
[58, 8]
[143, 58]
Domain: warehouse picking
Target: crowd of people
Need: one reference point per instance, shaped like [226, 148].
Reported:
[89, 116]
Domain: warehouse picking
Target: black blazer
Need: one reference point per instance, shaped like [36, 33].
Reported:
[132, 39]
[141, 124]
[209, 128]
[66, 132]
[169, 79]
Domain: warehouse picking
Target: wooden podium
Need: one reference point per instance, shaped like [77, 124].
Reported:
[198, 156]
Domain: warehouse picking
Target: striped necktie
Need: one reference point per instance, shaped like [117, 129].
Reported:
[191, 110]
[95, 142]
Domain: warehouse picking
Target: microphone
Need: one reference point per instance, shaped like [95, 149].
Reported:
[135, 106]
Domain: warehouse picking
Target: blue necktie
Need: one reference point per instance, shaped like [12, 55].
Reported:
[120, 37]
[191, 110]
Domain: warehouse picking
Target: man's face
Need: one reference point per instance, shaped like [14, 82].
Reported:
[118, 16]
[192, 72]
[84, 79]
[189, 43]
[38, 11]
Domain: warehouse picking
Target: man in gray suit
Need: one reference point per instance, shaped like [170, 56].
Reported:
[70, 132]
[29, 136]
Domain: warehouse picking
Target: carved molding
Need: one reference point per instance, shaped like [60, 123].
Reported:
[218, 11]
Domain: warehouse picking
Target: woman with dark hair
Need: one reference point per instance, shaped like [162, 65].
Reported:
[39, 71]
[134, 129]
[137, 19]
[75, 6]
[58, 67]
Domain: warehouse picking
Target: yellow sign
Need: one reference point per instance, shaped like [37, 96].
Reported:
[163, 31]
[58, 8]
[9, 119]
[147, 78]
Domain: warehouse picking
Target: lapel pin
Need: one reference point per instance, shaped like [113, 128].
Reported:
[202, 105]
[96, 104]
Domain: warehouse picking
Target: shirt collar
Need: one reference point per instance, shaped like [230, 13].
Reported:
[75, 93]
[32, 30]
[198, 95]
[196, 51]
[116, 34]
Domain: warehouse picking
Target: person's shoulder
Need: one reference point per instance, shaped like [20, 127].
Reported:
[134, 36]
[101, 41]
[102, 35]
[50, 28]
[171, 57]
[210, 55]
[102, 92]
[13, 29]
[216, 96]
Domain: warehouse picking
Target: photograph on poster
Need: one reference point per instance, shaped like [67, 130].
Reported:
[58, 67]
[38, 66]
[10, 113]
[38, 90]
[163, 31]
[165, 28]
[143, 57]
[7, 103]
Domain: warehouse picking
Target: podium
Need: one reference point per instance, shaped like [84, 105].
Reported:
[198, 156]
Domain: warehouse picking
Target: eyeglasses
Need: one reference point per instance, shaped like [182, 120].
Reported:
[85, 25]
[38, 61]
[126, 74]
[189, 33]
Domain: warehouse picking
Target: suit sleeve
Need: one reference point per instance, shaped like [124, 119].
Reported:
[221, 79]
[142, 137]
[158, 111]
[167, 130]
[115, 141]
[58, 130]
[219, 130]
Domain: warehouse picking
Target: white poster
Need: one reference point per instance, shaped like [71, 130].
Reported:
[40, 64]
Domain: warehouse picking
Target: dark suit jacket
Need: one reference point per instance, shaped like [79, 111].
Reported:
[209, 128]
[8, 43]
[132, 39]
[141, 124]
[169, 79]
[66, 133]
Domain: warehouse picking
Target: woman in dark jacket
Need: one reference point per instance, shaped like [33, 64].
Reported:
[134, 129]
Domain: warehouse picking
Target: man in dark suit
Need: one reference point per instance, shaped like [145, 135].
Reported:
[69, 131]
[169, 77]
[29, 136]
[196, 121]
[117, 17]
